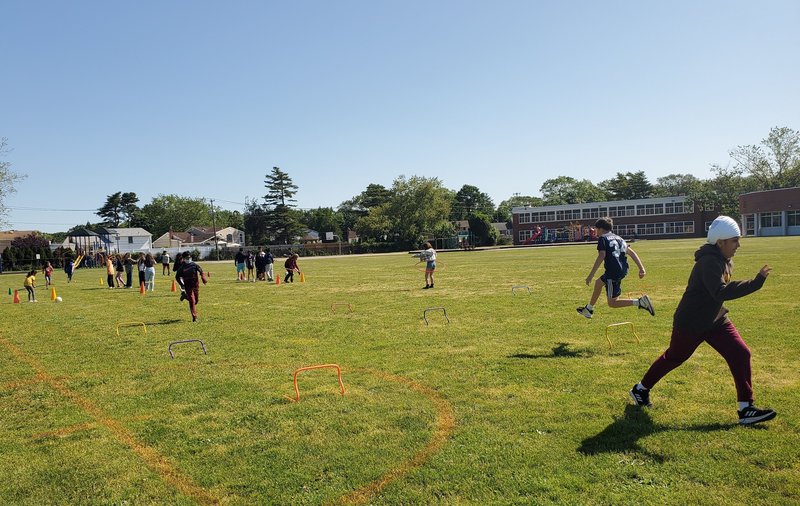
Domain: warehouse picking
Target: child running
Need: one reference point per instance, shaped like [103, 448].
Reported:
[428, 256]
[30, 286]
[291, 268]
[48, 274]
[613, 253]
[68, 268]
[700, 316]
[188, 275]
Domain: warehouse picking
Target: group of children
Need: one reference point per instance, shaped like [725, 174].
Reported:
[700, 315]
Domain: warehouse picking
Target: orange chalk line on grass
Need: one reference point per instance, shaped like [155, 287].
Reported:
[150, 456]
[445, 423]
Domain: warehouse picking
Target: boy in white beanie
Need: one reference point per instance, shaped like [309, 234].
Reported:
[700, 316]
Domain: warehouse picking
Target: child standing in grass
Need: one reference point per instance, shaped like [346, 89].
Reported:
[30, 286]
[250, 262]
[700, 316]
[429, 257]
[69, 266]
[110, 272]
[613, 253]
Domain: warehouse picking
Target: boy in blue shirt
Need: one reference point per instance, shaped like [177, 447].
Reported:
[613, 253]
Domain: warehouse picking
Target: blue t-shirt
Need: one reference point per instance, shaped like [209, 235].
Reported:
[616, 261]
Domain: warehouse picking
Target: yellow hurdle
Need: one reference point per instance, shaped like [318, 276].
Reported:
[633, 329]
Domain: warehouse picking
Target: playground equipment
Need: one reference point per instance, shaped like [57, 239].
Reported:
[298, 371]
[169, 349]
[633, 329]
[131, 324]
[425, 313]
[337, 304]
[520, 287]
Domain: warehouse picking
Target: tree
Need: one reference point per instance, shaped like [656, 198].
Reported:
[723, 190]
[375, 195]
[567, 190]
[419, 206]
[773, 164]
[481, 227]
[7, 181]
[503, 212]
[676, 184]
[376, 226]
[323, 219]
[173, 212]
[468, 200]
[283, 222]
[119, 208]
[628, 186]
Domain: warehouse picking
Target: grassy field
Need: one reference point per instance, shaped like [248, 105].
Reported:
[518, 400]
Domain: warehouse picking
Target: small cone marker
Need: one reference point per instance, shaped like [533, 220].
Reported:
[208, 274]
[278, 279]
[101, 281]
[9, 290]
[16, 297]
[302, 278]
[173, 286]
[53, 294]
[141, 288]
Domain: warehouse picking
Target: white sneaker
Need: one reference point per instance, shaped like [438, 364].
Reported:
[585, 311]
[647, 305]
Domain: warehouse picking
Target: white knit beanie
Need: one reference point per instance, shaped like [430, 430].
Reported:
[723, 228]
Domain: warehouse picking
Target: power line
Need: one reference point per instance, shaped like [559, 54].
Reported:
[17, 208]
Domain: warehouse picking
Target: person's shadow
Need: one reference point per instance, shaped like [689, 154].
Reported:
[623, 434]
[562, 350]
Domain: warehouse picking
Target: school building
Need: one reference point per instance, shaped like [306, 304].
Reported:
[771, 212]
[653, 218]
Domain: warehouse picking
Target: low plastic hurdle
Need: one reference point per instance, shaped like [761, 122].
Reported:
[338, 304]
[171, 355]
[633, 329]
[298, 371]
[520, 287]
[130, 324]
[425, 313]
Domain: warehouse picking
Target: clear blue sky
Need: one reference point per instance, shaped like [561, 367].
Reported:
[202, 98]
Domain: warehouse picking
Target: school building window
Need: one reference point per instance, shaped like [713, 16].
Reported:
[525, 217]
[793, 218]
[524, 235]
[771, 220]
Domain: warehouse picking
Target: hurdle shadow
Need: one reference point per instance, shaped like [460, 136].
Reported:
[164, 322]
[561, 350]
[624, 433]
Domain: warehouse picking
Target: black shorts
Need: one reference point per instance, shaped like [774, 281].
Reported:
[613, 287]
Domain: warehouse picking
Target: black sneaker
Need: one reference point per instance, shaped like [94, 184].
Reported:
[426, 287]
[751, 415]
[647, 305]
[640, 396]
[585, 311]
[183, 296]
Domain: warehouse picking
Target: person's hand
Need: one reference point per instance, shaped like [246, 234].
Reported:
[588, 280]
[765, 270]
[642, 272]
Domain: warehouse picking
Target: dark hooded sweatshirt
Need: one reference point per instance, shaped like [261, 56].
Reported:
[700, 308]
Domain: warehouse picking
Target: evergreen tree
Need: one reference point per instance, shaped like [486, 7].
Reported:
[282, 220]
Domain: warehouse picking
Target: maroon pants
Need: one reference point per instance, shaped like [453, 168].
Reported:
[725, 339]
[193, 294]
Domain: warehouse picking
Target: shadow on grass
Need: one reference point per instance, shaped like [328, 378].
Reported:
[623, 434]
[560, 351]
[164, 322]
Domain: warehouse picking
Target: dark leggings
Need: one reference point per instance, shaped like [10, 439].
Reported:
[111, 281]
[31, 293]
[725, 339]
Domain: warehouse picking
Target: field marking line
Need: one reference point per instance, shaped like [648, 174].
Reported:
[445, 423]
[154, 460]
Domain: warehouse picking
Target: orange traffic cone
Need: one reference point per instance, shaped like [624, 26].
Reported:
[278, 279]
[141, 288]
[208, 274]
[173, 286]
[53, 294]
[16, 297]
[302, 277]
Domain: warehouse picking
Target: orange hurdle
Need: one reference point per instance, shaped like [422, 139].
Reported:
[297, 390]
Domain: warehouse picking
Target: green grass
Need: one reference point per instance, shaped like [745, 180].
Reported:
[517, 401]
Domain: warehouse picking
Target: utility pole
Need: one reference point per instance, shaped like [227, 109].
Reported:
[214, 224]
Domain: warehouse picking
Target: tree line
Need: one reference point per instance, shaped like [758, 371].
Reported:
[415, 208]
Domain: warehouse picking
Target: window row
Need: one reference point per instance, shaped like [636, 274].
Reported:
[775, 219]
[640, 229]
[610, 211]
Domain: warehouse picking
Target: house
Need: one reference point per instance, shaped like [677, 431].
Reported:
[653, 218]
[227, 236]
[503, 229]
[771, 212]
[310, 237]
[126, 240]
[201, 236]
